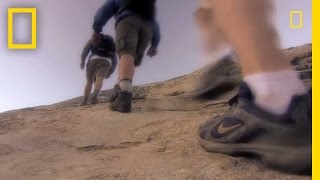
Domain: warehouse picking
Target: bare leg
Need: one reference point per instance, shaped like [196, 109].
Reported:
[98, 84]
[126, 67]
[245, 25]
[126, 72]
[97, 88]
[87, 91]
[121, 101]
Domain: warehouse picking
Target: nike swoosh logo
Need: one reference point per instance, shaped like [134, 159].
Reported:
[223, 129]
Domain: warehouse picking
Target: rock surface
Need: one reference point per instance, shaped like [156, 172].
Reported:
[156, 141]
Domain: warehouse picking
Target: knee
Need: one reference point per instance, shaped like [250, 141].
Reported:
[127, 57]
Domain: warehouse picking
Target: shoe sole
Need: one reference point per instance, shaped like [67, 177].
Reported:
[297, 159]
[122, 110]
[125, 109]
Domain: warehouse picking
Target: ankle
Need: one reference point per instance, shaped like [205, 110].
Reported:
[126, 85]
[96, 93]
[274, 91]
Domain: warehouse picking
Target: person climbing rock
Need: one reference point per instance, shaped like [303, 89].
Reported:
[136, 27]
[102, 63]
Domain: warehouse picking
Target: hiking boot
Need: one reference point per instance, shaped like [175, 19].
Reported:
[84, 102]
[114, 94]
[217, 78]
[94, 100]
[122, 102]
[282, 142]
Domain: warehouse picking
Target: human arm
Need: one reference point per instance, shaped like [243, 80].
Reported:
[103, 15]
[85, 52]
[156, 34]
[153, 50]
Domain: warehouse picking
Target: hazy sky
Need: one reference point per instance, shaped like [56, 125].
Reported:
[51, 73]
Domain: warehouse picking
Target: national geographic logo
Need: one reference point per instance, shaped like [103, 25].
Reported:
[33, 41]
[296, 19]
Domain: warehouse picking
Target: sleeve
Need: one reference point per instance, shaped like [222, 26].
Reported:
[103, 15]
[156, 34]
[86, 51]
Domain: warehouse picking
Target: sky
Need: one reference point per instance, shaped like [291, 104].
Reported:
[51, 73]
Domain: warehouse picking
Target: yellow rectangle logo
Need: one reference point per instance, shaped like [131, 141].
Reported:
[11, 12]
[296, 26]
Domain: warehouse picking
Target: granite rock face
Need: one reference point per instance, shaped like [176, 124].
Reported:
[156, 141]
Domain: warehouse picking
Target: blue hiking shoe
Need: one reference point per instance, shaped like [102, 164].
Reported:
[282, 142]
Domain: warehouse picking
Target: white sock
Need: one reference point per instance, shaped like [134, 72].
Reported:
[274, 91]
[126, 85]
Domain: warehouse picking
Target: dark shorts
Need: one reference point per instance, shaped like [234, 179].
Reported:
[98, 68]
[133, 36]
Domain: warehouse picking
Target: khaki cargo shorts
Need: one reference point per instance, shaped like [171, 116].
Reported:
[133, 36]
[97, 67]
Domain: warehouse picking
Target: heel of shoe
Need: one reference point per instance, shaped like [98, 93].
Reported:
[124, 109]
[122, 102]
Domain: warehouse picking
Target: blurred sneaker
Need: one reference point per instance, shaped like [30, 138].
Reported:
[282, 142]
[217, 78]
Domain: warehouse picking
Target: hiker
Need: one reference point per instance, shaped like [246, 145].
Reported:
[102, 63]
[136, 27]
[271, 116]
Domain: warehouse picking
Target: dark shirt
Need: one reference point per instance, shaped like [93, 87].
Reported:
[111, 9]
[105, 49]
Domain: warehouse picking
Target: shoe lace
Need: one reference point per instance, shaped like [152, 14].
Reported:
[234, 101]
